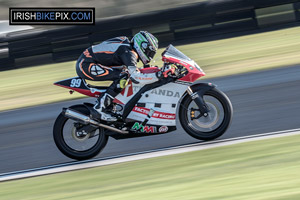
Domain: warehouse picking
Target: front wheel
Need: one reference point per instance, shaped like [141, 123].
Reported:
[214, 124]
[79, 145]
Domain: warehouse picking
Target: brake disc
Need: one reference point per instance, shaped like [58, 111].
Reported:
[80, 135]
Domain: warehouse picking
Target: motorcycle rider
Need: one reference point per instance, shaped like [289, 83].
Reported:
[106, 61]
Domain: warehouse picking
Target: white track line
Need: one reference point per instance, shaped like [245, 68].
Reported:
[142, 155]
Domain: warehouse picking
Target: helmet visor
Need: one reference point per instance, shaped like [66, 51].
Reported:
[149, 51]
[151, 54]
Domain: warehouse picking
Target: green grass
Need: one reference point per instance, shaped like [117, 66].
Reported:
[33, 86]
[261, 170]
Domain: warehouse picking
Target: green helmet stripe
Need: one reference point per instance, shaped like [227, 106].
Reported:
[152, 39]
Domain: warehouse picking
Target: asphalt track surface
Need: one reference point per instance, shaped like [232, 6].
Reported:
[263, 102]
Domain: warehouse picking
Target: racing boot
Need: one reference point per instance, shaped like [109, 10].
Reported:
[102, 108]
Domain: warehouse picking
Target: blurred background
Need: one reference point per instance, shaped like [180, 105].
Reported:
[223, 36]
[170, 21]
[249, 48]
[103, 8]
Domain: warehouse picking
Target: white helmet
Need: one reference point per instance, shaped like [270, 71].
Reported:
[145, 45]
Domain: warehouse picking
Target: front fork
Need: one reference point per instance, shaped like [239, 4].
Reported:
[196, 92]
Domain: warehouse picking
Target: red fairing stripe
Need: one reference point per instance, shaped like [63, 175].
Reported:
[149, 70]
[118, 101]
[156, 114]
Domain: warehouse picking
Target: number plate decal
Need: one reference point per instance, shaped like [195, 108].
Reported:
[75, 83]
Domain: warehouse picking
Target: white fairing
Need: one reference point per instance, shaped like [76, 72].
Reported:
[167, 96]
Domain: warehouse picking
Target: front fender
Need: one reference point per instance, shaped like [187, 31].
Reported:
[201, 88]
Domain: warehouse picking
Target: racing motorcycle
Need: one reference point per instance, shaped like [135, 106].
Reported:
[203, 111]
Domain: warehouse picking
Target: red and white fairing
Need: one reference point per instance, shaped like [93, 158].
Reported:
[163, 100]
[173, 55]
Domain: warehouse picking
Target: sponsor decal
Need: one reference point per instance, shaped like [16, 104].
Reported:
[141, 110]
[96, 70]
[161, 92]
[163, 129]
[144, 129]
[156, 114]
[144, 78]
[167, 93]
[163, 115]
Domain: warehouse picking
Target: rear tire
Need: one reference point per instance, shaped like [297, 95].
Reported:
[217, 121]
[72, 146]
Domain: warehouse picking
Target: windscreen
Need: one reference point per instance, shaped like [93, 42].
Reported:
[171, 51]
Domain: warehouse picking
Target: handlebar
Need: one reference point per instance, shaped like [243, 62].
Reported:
[175, 70]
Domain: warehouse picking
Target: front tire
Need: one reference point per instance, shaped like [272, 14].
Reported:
[218, 119]
[74, 146]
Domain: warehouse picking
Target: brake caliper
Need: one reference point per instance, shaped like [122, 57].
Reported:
[192, 114]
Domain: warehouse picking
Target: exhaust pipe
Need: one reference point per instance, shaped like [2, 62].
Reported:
[72, 114]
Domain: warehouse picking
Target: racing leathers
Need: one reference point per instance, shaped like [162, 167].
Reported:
[106, 61]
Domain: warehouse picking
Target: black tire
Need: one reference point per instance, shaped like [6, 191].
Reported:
[58, 134]
[221, 126]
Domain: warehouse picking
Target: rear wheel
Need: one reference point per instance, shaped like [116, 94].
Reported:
[214, 124]
[79, 145]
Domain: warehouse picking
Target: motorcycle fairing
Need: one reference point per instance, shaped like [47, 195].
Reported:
[173, 55]
[135, 127]
[171, 51]
[79, 85]
[163, 100]
[146, 131]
